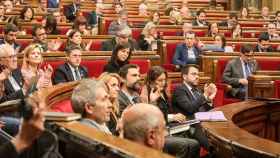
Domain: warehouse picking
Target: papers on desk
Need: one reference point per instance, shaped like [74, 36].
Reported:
[181, 127]
[210, 116]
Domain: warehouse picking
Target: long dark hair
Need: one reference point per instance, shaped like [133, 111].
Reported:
[114, 58]
[151, 78]
[224, 42]
[25, 10]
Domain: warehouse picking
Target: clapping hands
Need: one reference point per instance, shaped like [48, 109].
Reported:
[210, 91]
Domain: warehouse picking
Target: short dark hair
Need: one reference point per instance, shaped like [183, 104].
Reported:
[278, 12]
[263, 37]
[200, 11]
[246, 48]
[233, 15]
[10, 28]
[124, 70]
[70, 49]
[35, 28]
[185, 69]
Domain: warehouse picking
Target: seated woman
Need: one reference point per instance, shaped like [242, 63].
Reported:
[120, 57]
[3, 17]
[213, 30]
[80, 24]
[149, 37]
[236, 31]
[219, 45]
[27, 14]
[112, 80]
[75, 40]
[33, 75]
[51, 25]
[155, 18]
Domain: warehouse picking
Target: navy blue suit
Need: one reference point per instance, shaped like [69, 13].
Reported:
[181, 56]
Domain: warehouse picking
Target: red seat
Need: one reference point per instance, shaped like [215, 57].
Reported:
[136, 32]
[170, 50]
[277, 88]
[63, 106]
[221, 98]
[144, 64]
[268, 64]
[96, 45]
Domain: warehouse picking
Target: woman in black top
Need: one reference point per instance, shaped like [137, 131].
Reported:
[120, 57]
[155, 92]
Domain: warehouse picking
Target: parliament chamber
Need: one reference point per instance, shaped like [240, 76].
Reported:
[154, 34]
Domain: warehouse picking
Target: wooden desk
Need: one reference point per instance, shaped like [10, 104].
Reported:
[243, 135]
[261, 84]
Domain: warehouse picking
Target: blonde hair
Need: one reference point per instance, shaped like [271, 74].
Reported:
[106, 77]
[147, 28]
[29, 50]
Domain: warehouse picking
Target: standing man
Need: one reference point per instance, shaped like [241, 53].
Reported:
[71, 70]
[237, 71]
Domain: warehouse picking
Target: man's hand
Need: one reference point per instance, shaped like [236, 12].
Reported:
[4, 74]
[243, 81]
[179, 117]
[210, 91]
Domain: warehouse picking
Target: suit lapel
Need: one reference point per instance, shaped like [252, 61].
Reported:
[239, 67]
[69, 73]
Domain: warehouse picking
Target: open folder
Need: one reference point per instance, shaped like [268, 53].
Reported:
[61, 116]
[210, 116]
[181, 127]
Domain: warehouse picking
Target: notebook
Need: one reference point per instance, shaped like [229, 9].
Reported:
[210, 116]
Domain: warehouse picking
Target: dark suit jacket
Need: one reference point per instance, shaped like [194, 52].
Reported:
[110, 44]
[64, 74]
[70, 12]
[233, 72]
[184, 102]
[9, 92]
[53, 4]
[124, 101]
[195, 23]
[259, 49]
[181, 56]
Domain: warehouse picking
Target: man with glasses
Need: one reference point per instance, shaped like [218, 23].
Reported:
[10, 36]
[237, 71]
[71, 70]
[10, 77]
[122, 37]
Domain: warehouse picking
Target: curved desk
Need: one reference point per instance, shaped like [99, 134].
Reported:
[89, 141]
[252, 130]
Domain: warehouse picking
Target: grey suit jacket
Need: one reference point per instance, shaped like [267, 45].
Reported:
[233, 72]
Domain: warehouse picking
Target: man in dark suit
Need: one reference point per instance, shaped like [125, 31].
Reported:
[200, 19]
[188, 99]
[11, 77]
[72, 10]
[128, 95]
[71, 70]
[10, 36]
[186, 53]
[123, 37]
[231, 21]
[238, 70]
[263, 44]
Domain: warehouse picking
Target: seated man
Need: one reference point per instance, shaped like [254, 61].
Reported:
[121, 21]
[10, 36]
[186, 53]
[91, 99]
[187, 99]
[231, 21]
[263, 44]
[39, 36]
[72, 9]
[238, 70]
[129, 92]
[71, 70]
[272, 31]
[265, 13]
[122, 36]
[200, 19]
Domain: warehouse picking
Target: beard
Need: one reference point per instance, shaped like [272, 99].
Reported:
[136, 87]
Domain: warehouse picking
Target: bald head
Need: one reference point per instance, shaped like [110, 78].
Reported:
[144, 123]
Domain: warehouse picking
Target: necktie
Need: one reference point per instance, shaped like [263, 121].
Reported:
[136, 99]
[247, 70]
[195, 93]
[77, 74]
